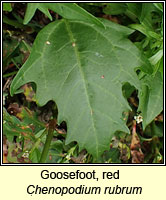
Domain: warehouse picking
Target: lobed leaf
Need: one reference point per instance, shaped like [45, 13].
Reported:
[82, 67]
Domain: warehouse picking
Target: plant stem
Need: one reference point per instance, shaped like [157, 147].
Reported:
[15, 63]
[14, 23]
[37, 143]
[9, 74]
[45, 151]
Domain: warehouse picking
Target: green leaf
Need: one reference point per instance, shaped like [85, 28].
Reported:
[31, 9]
[10, 157]
[161, 68]
[73, 11]
[115, 8]
[159, 6]
[7, 7]
[140, 28]
[12, 126]
[156, 57]
[82, 68]
[66, 10]
[151, 98]
[55, 152]
[134, 10]
[112, 156]
[157, 129]
[29, 125]
[35, 156]
[10, 48]
[127, 90]
[146, 15]
[31, 118]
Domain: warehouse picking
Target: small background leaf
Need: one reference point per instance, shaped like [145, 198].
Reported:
[7, 7]
[151, 98]
[31, 9]
[115, 8]
[66, 10]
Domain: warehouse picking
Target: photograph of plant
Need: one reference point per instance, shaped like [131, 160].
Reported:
[83, 83]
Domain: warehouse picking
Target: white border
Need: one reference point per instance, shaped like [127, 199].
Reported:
[108, 164]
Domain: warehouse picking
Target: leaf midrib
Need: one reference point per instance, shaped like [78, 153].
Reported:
[83, 78]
